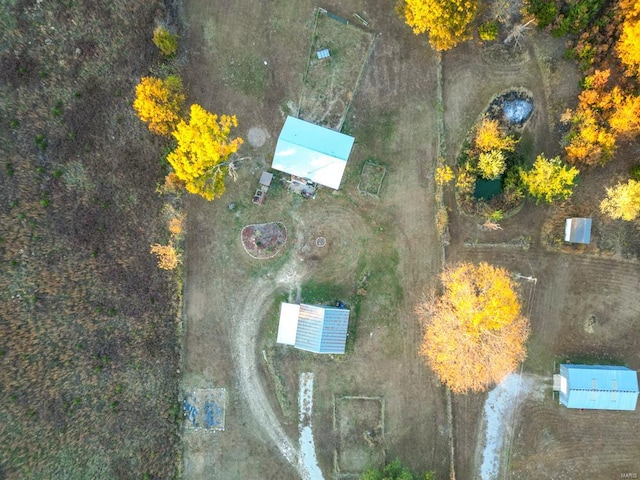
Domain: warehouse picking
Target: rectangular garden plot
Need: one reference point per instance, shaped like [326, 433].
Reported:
[359, 425]
[204, 409]
[337, 58]
[371, 178]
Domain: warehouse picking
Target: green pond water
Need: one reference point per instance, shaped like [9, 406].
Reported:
[487, 189]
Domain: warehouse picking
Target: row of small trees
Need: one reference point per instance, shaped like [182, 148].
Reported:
[201, 147]
[203, 144]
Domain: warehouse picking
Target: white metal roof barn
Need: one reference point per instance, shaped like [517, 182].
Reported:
[601, 387]
[309, 151]
[313, 328]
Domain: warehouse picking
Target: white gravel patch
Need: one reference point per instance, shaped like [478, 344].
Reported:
[307, 446]
[499, 410]
[257, 136]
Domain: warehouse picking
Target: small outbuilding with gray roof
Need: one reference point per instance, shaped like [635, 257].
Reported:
[577, 230]
[600, 387]
[313, 328]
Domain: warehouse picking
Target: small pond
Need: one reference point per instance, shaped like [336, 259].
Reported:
[515, 107]
[487, 189]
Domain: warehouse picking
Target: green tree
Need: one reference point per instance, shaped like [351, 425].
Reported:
[446, 21]
[491, 164]
[549, 179]
[166, 42]
[200, 158]
[622, 201]
[394, 471]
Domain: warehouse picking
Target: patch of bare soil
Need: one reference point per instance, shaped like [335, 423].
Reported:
[264, 240]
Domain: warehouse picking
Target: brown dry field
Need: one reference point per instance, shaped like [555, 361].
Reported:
[88, 340]
[232, 301]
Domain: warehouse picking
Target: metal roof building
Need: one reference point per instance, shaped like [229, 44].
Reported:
[309, 151]
[313, 328]
[577, 230]
[598, 387]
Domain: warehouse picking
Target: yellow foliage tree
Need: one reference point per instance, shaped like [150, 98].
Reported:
[475, 332]
[200, 158]
[491, 164]
[549, 179]
[625, 120]
[601, 116]
[168, 257]
[489, 136]
[159, 102]
[444, 175]
[628, 46]
[622, 201]
[446, 21]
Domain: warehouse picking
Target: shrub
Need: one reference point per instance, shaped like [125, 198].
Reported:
[545, 12]
[634, 172]
[444, 175]
[166, 42]
[488, 31]
[491, 164]
[168, 258]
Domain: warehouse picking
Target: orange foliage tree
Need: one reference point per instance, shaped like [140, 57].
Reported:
[159, 102]
[590, 140]
[475, 332]
[200, 158]
[625, 120]
[168, 257]
[446, 21]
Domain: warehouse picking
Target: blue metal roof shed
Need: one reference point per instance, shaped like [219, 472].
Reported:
[309, 151]
[577, 230]
[601, 387]
[313, 328]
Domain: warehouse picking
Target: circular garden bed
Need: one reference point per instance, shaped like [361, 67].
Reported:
[264, 240]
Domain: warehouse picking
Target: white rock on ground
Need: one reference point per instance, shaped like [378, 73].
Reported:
[499, 411]
[307, 446]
